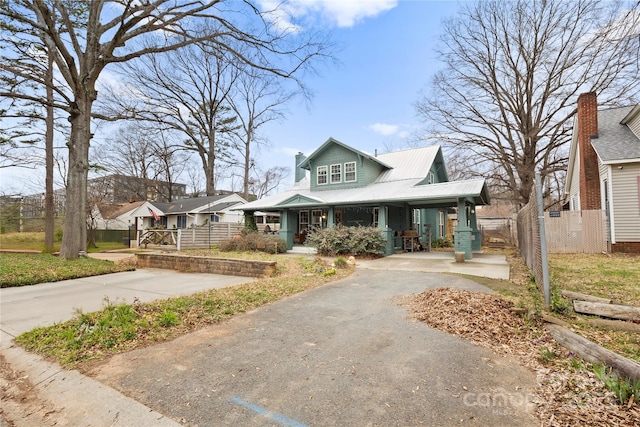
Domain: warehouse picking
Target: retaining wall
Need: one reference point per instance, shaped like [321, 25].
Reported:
[196, 264]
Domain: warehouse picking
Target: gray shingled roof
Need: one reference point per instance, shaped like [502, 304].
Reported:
[189, 205]
[615, 141]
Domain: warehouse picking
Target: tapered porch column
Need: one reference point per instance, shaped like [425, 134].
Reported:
[331, 217]
[462, 232]
[476, 236]
[288, 226]
[387, 233]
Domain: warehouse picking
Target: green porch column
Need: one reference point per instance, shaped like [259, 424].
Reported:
[288, 225]
[387, 233]
[476, 236]
[331, 217]
[462, 233]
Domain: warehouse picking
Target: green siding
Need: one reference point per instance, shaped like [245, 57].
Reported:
[366, 171]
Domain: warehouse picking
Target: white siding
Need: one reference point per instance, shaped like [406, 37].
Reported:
[634, 125]
[626, 206]
[574, 191]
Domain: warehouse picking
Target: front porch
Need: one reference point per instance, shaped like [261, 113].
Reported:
[405, 227]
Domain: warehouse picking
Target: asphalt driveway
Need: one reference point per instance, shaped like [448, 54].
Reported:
[342, 354]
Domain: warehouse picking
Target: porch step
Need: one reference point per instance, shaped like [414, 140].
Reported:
[299, 249]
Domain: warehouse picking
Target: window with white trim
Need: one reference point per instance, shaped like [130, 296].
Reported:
[316, 218]
[303, 221]
[336, 174]
[431, 178]
[350, 172]
[376, 216]
[441, 223]
[321, 175]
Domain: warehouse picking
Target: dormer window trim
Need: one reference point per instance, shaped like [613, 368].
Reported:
[335, 173]
[348, 173]
[322, 177]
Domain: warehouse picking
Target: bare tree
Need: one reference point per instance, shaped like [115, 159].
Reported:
[257, 99]
[513, 71]
[263, 182]
[123, 30]
[185, 91]
[146, 153]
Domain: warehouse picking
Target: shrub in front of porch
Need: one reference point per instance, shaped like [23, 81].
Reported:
[253, 241]
[347, 241]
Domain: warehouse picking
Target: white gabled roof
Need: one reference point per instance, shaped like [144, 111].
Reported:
[408, 164]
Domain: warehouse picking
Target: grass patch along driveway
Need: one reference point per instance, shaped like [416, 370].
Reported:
[121, 327]
[20, 269]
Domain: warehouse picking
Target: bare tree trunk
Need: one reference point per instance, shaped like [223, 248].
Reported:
[247, 165]
[74, 238]
[49, 217]
[209, 168]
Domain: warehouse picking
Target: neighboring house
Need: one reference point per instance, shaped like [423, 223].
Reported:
[604, 169]
[185, 213]
[117, 216]
[399, 192]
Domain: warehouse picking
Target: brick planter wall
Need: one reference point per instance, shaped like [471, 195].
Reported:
[196, 264]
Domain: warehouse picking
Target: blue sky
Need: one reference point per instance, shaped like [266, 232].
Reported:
[386, 56]
[366, 101]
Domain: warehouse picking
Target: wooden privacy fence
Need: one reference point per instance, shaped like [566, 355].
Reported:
[565, 232]
[205, 236]
[576, 232]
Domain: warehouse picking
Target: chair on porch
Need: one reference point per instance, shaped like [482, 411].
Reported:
[300, 237]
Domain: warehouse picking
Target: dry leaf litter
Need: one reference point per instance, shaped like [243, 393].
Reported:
[567, 394]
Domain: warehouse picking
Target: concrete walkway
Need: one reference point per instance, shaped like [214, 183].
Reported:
[482, 265]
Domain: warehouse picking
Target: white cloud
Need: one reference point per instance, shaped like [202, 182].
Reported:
[384, 129]
[339, 13]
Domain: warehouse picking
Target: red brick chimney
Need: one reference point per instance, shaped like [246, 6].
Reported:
[588, 129]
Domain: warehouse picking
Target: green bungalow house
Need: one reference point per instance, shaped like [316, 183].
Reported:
[405, 194]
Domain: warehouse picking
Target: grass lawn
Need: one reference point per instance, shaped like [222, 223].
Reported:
[34, 241]
[20, 269]
[615, 276]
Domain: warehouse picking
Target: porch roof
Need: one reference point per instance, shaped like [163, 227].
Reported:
[390, 192]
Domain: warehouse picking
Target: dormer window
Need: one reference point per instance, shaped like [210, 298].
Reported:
[350, 172]
[321, 175]
[336, 174]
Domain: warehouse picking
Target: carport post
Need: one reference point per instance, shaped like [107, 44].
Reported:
[462, 232]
